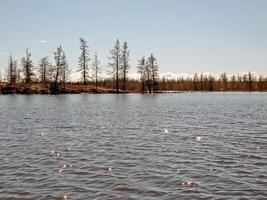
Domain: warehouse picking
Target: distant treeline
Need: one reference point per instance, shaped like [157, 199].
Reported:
[56, 76]
[200, 82]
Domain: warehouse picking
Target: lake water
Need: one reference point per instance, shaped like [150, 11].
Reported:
[164, 146]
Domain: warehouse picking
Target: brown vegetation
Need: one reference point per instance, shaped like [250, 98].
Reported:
[198, 83]
[38, 88]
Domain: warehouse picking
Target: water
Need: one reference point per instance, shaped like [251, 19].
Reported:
[166, 146]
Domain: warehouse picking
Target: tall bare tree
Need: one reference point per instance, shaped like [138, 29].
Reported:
[58, 54]
[96, 69]
[153, 65]
[12, 70]
[84, 60]
[141, 67]
[115, 62]
[64, 70]
[125, 57]
[44, 68]
[27, 67]
[148, 76]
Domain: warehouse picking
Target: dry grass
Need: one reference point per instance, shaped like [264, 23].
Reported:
[39, 88]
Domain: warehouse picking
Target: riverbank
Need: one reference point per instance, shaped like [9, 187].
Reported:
[75, 88]
[37, 88]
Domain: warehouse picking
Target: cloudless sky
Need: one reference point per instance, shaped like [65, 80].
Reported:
[185, 35]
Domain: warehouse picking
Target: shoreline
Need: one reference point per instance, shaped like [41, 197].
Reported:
[43, 89]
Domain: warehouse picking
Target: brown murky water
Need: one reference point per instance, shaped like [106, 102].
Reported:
[166, 146]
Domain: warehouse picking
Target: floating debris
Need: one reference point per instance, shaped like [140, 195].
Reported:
[258, 147]
[109, 169]
[166, 131]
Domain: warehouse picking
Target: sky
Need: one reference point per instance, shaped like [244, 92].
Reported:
[186, 36]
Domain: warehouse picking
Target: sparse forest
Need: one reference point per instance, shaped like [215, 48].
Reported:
[48, 77]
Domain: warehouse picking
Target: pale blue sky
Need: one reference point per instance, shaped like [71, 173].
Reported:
[185, 35]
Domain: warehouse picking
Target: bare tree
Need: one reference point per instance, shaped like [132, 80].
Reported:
[64, 70]
[115, 62]
[201, 77]
[44, 67]
[96, 69]
[153, 65]
[84, 60]
[250, 81]
[233, 80]
[224, 79]
[195, 82]
[18, 74]
[261, 82]
[27, 67]
[50, 73]
[12, 70]
[141, 67]
[58, 60]
[148, 75]
[211, 83]
[125, 57]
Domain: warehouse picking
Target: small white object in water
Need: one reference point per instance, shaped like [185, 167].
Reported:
[52, 152]
[65, 197]
[58, 154]
[198, 138]
[258, 147]
[64, 166]
[60, 170]
[109, 169]
[188, 183]
[166, 131]
[42, 134]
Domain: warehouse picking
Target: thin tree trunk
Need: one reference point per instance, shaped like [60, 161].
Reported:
[96, 80]
[117, 76]
[124, 79]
